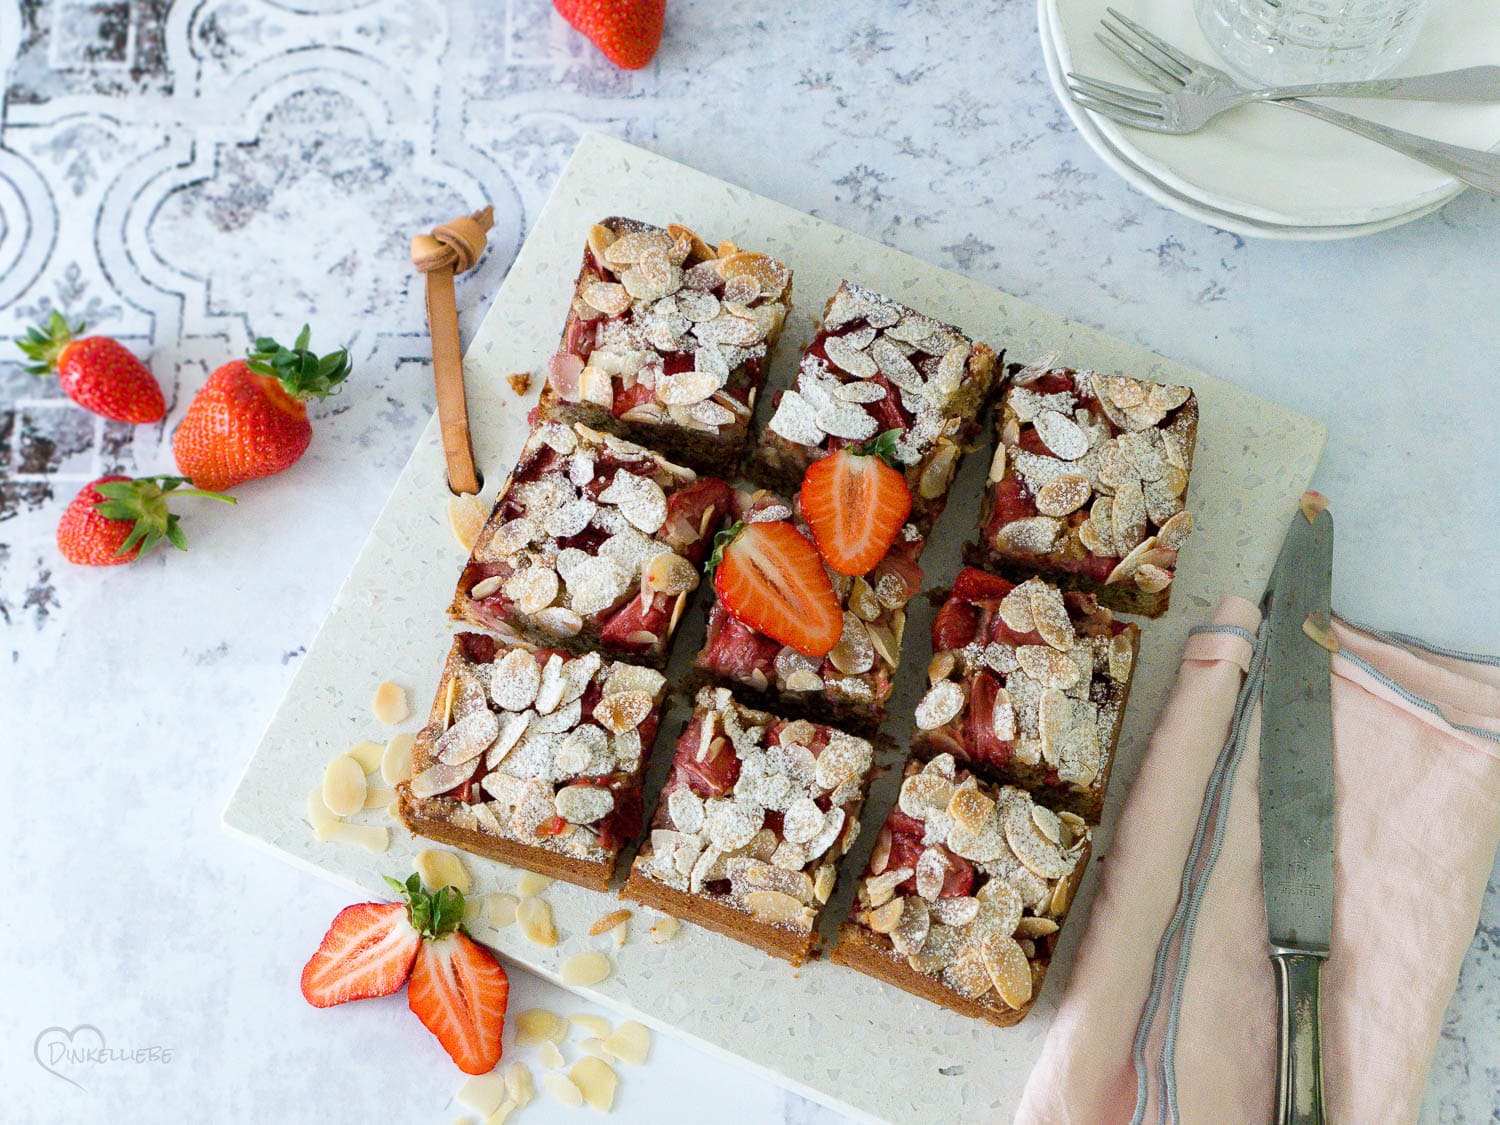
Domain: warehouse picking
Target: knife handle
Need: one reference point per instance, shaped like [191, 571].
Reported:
[1299, 1064]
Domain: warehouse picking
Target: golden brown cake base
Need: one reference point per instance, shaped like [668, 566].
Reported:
[717, 455]
[585, 873]
[789, 945]
[1122, 597]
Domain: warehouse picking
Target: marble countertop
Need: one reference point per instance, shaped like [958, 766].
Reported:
[185, 176]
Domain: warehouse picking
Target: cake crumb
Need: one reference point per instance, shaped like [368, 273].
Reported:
[520, 381]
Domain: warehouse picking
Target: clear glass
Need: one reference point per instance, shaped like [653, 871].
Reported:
[1285, 42]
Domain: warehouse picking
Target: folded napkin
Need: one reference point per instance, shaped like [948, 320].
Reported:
[1171, 1010]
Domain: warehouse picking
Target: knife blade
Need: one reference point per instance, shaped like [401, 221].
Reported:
[1296, 744]
[1297, 808]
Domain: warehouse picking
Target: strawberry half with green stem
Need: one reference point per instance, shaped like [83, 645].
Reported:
[855, 502]
[456, 987]
[249, 419]
[116, 520]
[770, 577]
[627, 31]
[98, 373]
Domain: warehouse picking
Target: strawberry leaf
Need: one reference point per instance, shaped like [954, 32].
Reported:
[431, 914]
[884, 447]
[143, 503]
[43, 344]
[303, 373]
[722, 540]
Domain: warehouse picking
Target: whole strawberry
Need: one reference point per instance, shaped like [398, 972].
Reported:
[115, 519]
[96, 372]
[250, 419]
[627, 31]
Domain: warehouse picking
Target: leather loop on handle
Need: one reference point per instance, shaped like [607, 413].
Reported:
[451, 249]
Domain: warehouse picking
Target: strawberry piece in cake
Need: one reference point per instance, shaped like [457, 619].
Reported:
[751, 824]
[534, 758]
[877, 367]
[1088, 484]
[1028, 687]
[850, 684]
[964, 893]
[667, 341]
[594, 544]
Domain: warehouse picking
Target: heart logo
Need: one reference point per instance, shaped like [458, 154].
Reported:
[57, 1048]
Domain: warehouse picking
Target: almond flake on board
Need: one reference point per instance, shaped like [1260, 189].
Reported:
[596, 1080]
[534, 916]
[608, 922]
[466, 516]
[664, 930]
[395, 760]
[389, 705]
[585, 969]
[344, 786]
[440, 869]
[630, 1043]
[500, 909]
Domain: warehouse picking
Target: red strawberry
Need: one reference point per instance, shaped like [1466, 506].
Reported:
[973, 584]
[96, 372]
[771, 578]
[368, 951]
[627, 31]
[115, 520]
[250, 419]
[855, 504]
[459, 991]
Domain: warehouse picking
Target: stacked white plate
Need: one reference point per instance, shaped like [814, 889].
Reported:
[1266, 171]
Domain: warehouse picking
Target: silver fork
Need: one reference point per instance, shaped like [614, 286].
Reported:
[1192, 93]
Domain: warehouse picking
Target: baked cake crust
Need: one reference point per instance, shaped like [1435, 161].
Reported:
[848, 687]
[593, 545]
[751, 824]
[875, 366]
[1028, 687]
[667, 341]
[965, 892]
[534, 758]
[1088, 484]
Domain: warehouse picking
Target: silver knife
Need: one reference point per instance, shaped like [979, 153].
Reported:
[1296, 807]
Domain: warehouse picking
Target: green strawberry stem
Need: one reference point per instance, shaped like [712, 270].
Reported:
[301, 372]
[882, 446]
[432, 914]
[143, 502]
[43, 344]
[722, 540]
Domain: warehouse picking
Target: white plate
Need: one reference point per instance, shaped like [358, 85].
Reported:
[1272, 166]
[1153, 188]
[823, 1030]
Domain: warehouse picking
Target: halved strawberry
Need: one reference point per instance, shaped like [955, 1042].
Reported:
[459, 992]
[368, 951]
[771, 578]
[855, 503]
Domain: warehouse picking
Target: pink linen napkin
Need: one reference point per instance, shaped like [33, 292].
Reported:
[1417, 785]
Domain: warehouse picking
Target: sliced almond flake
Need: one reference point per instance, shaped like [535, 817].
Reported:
[848, 355]
[894, 365]
[938, 471]
[560, 1086]
[1061, 435]
[440, 869]
[514, 680]
[943, 703]
[466, 516]
[584, 804]
[608, 297]
[439, 778]
[483, 1093]
[951, 370]
[966, 975]
[1152, 579]
[686, 809]
[562, 720]
[560, 621]
[884, 919]
[861, 391]
[926, 795]
[639, 499]
[512, 537]
[486, 586]
[842, 759]
[630, 1043]
[623, 710]
[911, 931]
[595, 1080]
[730, 824]
[1047, 666]
[664, 930]
[931, 869]
[1063, 494]
[955, 911]
[534, 916]
[1000, 905]
[997, 464]
[854, 654]
[344, 786]
[773, 908]
[773, 877]
[1050, 615]
[802, 680]
[1167, 396]
[1030, 535]
[395, 761]
[796, 421]
[803, 821]
[1015, 608]
[389, 705]
[468, 738]
[1175, 531]
[833, 824]
[687, 387]
[319, 815]
[1142, 553]
[633, 677]
[584, 970]
[1317, 626]
[1040, 855]
[1008, 968]
[512, 727]
[970, 809]
[877, 889]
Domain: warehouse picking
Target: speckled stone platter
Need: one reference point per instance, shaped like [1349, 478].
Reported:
[824, 1031]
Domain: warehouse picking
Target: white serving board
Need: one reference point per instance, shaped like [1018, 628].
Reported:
[824, 1031]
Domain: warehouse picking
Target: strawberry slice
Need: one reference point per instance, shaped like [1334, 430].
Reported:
[855, 502]
[770, 577]
[368, 951]
[459, 992]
